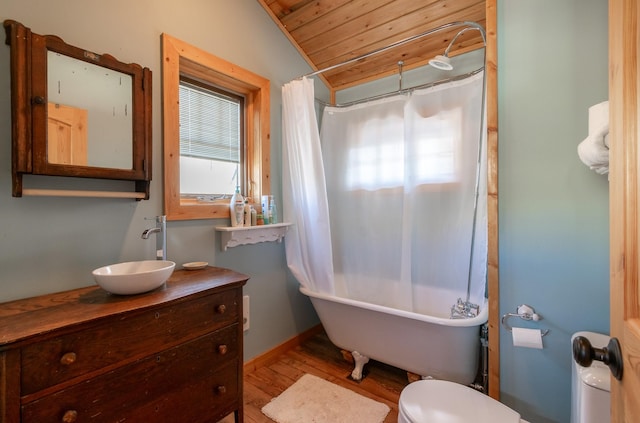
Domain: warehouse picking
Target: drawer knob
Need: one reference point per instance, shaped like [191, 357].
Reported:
[221, 389]
[221, 308]
[68, 358]
[222, 349]
[70, 416]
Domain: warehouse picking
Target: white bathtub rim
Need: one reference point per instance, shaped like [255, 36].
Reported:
[479, 320]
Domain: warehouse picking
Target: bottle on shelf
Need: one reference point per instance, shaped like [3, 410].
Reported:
[254, 217]
[265, 209]
[273, 211]
[236, 209]
[247, 213]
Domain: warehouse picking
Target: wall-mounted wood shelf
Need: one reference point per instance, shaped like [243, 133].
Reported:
[234, 236]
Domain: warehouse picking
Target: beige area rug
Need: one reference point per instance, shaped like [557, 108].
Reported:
[312, 399]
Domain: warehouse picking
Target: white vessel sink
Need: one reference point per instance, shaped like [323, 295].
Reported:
[134, 277]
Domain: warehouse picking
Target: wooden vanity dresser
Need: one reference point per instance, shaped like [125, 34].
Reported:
[170, 355]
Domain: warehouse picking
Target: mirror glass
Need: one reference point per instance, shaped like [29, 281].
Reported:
[89, 114]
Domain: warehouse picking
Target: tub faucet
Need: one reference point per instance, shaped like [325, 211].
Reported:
[161, 236]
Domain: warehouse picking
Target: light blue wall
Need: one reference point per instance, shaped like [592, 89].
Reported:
[52, 244]
[553, 210]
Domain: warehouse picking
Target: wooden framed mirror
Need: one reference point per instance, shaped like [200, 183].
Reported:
[77, 113]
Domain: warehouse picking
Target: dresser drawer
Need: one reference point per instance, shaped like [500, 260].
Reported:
[123, 340]
[197, 381]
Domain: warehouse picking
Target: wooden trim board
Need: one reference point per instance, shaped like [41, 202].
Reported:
[273, 354]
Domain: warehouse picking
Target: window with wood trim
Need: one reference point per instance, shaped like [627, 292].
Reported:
[241, 98]
[211, 142]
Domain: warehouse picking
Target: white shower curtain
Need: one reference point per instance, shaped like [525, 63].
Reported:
[401, 182]
[308, 241]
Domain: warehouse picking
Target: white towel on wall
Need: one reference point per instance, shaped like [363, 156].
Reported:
[594, 150]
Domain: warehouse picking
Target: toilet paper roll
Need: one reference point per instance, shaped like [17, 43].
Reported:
[527, 338]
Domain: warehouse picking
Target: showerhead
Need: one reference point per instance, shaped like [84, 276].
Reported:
[441, 62]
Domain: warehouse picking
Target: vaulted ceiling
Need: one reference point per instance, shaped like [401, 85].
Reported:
[327, 32]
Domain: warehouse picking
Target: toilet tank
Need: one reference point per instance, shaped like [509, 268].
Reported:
[591, 386]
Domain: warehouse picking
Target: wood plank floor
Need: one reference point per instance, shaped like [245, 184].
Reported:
[319, 357]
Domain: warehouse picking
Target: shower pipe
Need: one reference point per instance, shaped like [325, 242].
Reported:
[460, 309]
[468, 306]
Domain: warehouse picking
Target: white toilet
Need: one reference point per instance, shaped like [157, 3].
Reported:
[439, 401]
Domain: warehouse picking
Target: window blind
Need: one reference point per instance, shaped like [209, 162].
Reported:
[209, 124]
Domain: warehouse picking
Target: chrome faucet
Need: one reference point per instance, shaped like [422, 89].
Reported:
[161, 236]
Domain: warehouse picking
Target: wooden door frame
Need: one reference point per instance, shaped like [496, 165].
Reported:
[493, 286]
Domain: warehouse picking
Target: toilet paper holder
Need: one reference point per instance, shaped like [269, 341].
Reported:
[524, 312]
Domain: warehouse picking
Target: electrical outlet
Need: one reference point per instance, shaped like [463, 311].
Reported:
[245, 313]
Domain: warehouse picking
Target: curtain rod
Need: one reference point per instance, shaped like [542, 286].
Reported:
[399, 43]
[402, 91]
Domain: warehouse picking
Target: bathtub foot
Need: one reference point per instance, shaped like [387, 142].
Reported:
[360, 360]
[413, 377]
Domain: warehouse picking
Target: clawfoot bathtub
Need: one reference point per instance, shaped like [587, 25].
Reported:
[429, 346]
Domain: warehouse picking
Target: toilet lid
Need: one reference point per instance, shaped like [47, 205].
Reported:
[598, 376]
[448, 402]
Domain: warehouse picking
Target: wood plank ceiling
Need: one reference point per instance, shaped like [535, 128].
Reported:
[327, 32]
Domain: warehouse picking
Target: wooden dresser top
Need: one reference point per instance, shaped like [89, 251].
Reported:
[26, 318]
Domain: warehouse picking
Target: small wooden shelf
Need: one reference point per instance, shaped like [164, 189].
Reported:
[234, 236]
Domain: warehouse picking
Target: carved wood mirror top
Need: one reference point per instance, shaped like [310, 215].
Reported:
[77, 113]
